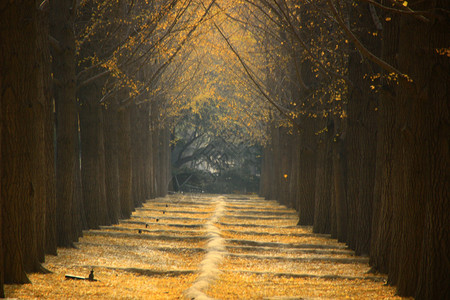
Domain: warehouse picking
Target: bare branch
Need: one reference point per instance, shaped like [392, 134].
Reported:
[247, 71]
[404, 10]
[127, 101]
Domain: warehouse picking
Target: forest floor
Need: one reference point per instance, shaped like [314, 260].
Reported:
[197, 246]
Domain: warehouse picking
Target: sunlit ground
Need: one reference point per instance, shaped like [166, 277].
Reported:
[161, 262]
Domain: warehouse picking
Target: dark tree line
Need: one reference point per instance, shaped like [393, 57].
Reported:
[377, 177]
[77, 149]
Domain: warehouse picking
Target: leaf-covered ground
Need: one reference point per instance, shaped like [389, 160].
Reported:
[158, 252]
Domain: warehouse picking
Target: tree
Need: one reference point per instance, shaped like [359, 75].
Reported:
[111, 145]
[125, 175]
[48, 128]
[360, 139]
[408, 192]
[22, 166]
[62, 16]
[2, 293]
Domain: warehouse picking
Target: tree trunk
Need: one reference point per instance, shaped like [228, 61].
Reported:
[155, 147]
[20, 103]
[2, 279]
[295, 172]
[163, 158]
[50, 178]
[382, 205]
[46, 213]
[167, 160]
[423, 126]
[103, 204]
[411, 240]
[276, 167]
[339, 180]
[285, 164]
[361, 133]
[434, 265]
[110, 120]
[323, 184]
[149, 158]
[91, 164]
[136, 150]
[79, 222]
[125, 168]
[333, 203]
[64, 93]
[146, 173]
[307, 172]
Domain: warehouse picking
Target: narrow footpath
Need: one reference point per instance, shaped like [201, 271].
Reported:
[197, 246]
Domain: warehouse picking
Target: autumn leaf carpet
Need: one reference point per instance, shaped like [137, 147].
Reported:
[197, 246]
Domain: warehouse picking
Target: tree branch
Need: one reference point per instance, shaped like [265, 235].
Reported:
[363, 50]
[403, 10]
[54, 43]
[247, 71]
[315, 60]
[127, 101]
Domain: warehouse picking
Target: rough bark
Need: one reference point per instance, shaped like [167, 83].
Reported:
[91, 166]
[424, 115]
[146, 173]
[285, 166]
[167, 160]
[64, 93]
[361, 133]
[412, 176]
[383, 197]
[307, 172]
[46, 213]
[155, 147]
[276, 154]
[149, 158]
[49, 159]
[137, 157]
[323, 184]
[79, 222]
[2, 280]
[20, 102]
[294, 180]
[110, 119]
[103, 205]
[125, 171]
[163, 158]
[339, 181]
[434, 264]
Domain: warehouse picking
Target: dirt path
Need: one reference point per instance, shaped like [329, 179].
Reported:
[207, 247]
